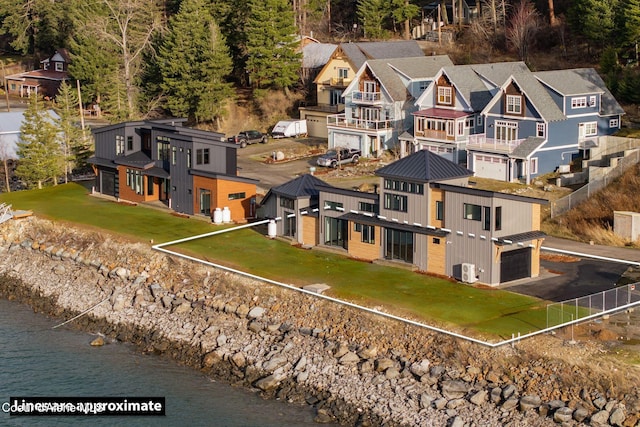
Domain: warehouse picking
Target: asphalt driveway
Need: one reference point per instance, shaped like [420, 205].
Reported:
[560, 281]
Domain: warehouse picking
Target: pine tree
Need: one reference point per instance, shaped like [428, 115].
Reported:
[628, 22]
[73, 144]
[372, 15]
[39, 151]
[194, 62]
[594, 19]
[272, 60]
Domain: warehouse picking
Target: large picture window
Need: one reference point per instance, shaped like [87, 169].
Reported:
[395, 202]
[286, 202]
[473, 212]
[399, 245]
[367, 233]
[135, 181]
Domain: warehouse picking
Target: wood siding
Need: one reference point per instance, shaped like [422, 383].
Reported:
[436, 195]
[535, 216]
[436, 258]
[127, 193]
[310, 230]
[220, 190]
[359, 249]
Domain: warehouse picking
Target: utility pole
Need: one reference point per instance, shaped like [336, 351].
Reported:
[6, 86]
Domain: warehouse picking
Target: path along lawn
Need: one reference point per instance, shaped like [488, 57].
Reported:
[489, 312]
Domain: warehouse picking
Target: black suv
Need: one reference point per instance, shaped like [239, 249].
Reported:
[247, 137]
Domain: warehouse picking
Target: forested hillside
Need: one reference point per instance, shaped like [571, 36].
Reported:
[139, 58]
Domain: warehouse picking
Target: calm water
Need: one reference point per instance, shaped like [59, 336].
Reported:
[38, 361]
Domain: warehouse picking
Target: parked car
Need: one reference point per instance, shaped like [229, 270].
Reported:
[339, 156]
[247, 137]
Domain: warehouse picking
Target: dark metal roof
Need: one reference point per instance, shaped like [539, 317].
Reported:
[424, 166]
[226, 177]
[487, 193]
[136, 160]
[303, 186]
[520, 237]
[345, 192]
[99, 161]
[374, 220]
[157, 172]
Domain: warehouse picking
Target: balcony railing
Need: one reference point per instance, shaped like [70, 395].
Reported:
[326, 108]
[342, 121]
[337, 82]
[366, 97]
[434, 134]
[480, 141]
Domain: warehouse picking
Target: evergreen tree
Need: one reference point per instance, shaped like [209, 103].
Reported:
[194, 62]
[403, 11]
[628, 22]
[372, 15]
[73, 143]
[593, 19]
[39, 151]
[272, 60]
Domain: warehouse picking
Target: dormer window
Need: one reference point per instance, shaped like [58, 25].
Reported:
[514, 104]
[579, 102]
[59, 66]
[444, 95]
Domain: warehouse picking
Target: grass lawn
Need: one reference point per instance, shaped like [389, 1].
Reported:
[402, 292]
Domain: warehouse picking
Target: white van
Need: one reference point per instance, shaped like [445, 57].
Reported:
[289, 128]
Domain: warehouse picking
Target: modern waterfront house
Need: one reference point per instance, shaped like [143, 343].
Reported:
[192, 171]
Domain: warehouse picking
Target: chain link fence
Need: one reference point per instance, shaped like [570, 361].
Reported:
[605, 302]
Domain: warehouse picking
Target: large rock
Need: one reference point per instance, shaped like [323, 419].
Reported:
[274, 363]
[156, 290]
[510, 403]
[420, 368]
[529, 402]
[368, 353]
[580, 414]
[98, 342]
[341, 351]
[301, 364]
[267, 383]
[211, 359]
[239, 360]
[383, 364]
[392, 373]
[479, 398]
[563, 415]
[617, 417]
[350, 358]
[600, 418]
[256, 313]
[508, 391]
[454, 389]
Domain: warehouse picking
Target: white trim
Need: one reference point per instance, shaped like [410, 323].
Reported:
[595, 115]
[559, 147]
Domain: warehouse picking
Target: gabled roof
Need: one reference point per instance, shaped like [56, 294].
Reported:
[498, 73]
[527, 147]
[359, 53]
[389, 71]
[300, 187]
[581, 81]
[315, 55]
[423, 166]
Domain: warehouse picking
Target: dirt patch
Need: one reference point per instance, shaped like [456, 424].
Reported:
[558, 258]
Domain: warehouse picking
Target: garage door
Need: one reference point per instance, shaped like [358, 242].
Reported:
[108, 183]
[346, 140]
[515, 265]
[316, 125]
[493, 167]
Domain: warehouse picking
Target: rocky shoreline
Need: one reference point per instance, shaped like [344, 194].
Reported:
[354, 368]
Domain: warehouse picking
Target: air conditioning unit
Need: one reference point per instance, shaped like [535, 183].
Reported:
[469, 273]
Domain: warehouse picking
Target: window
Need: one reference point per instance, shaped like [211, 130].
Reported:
[436, 241]
[367, 207]
[202, 156]
[286, 202]
[422, 86]
[395, 202]
[444, 95]
[460, 127]
[506, 131]
[367, 232]
[486, 221]
[407, 187]
[59, 66]
[579, 102]
[333, 206]
[205, 201]
[119, 145]
[498, 219]
[479, 121]
[613, 123]
[469, 123]
[134, 181]
[130, 143]
[514, 104]
[343, 73]
[174, 155]
[473, 212]
[439, 210]
[399, 245]
[588, 129]
[163, 150]
[534, 165]
[189, 157]
[237, 196]
[540, 130]
[592, 101]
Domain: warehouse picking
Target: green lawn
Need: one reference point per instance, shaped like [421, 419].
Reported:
[423, 298]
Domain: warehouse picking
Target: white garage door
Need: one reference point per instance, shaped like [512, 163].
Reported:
[346, 140]
[493, 167]
[316, 125]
